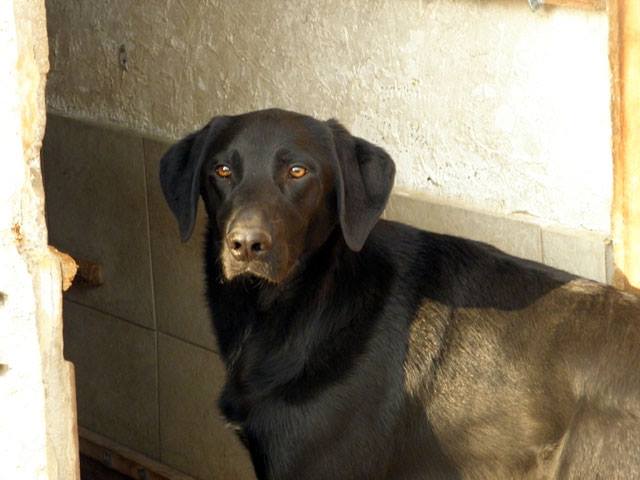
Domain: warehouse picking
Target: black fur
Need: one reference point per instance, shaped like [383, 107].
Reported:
[366, 349]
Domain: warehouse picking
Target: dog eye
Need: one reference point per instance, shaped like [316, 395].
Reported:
[223, 171]
[297, 171]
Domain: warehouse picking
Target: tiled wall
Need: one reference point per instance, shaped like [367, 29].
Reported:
[583, 253]
[147, 371]
[146, 363]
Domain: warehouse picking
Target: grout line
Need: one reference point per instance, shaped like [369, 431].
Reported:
[134, 324]
[148, 226]
[543, 258]
[608, 262]
[109, 314]
[153, 293]
[189, 342]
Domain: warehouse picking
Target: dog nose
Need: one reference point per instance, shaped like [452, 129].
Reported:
[248, 243]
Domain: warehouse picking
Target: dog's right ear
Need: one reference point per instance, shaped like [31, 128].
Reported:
[180, 173]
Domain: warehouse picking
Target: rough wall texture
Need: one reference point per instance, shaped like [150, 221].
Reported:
[479, 102]
[37, 423]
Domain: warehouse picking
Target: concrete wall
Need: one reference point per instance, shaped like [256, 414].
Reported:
[38, 439]
[483, 103]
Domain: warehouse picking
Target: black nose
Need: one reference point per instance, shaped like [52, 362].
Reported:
[248, 244]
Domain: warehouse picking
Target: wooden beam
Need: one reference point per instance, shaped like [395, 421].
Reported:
[125, 460]
[624, 55]
[89, 273]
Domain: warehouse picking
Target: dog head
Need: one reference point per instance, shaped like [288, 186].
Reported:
[275, 185]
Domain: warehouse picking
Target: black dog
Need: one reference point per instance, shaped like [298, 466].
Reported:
[365, 349]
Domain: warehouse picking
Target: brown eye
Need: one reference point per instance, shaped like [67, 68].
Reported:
[297, 171]
[223, 171]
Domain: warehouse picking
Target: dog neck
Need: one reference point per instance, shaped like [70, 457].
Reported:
[263, 326]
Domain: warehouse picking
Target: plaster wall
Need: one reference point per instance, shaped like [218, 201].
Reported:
[38, 439]
[481, 103]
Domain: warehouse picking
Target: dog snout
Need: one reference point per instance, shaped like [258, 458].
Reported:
[248, 243]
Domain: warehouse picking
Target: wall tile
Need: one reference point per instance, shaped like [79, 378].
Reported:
[584, 254]
[96, 210]
[178, 273]
[194, 438]
[515, 237]
[116, 380]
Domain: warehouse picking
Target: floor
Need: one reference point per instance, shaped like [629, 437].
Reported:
[91, 469]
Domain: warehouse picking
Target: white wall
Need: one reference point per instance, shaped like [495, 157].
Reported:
[483, 103]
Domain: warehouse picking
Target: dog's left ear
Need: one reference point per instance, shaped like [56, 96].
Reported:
[180, 173]
[364, 180]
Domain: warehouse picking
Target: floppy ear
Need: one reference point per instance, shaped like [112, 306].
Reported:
[364, 180]
[180, 173]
